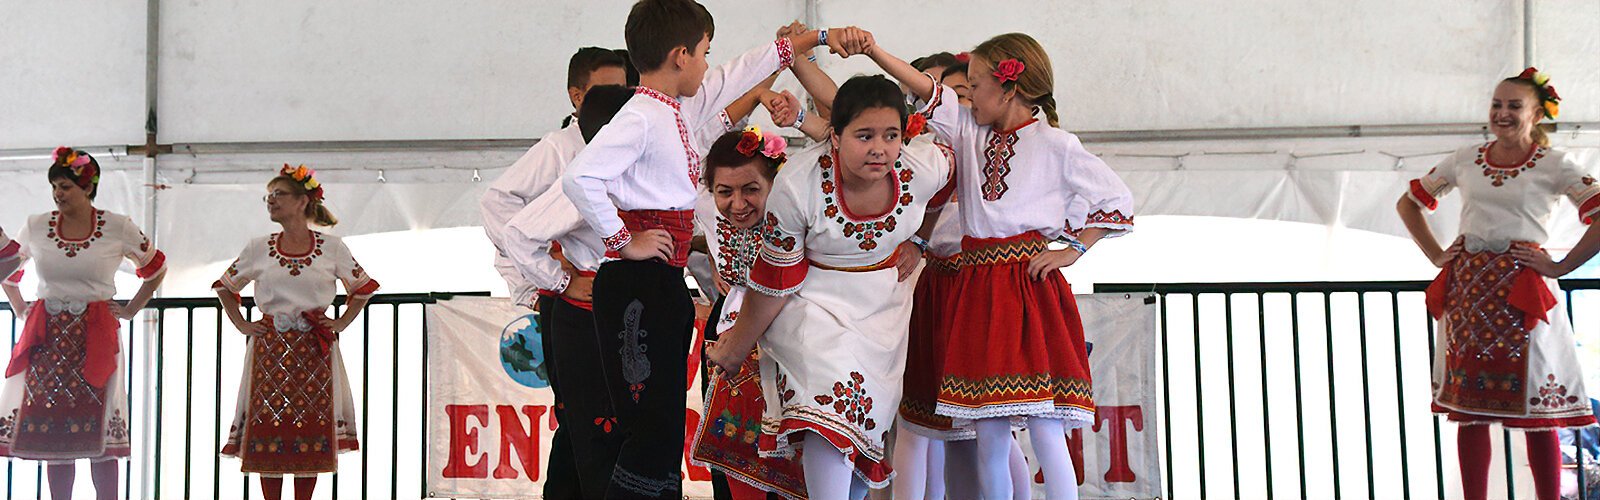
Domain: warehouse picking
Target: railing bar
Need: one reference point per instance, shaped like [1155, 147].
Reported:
[1199, 399]
[1333, 394]
[1266, 413]
[366, 397]
[216, 415]
[1511, 477]
[394, 402]
[1366, 389]
[1438, 454]
[1299, 402]
[422, 464]
[337, 310]
[160, 351]
[188, 405]
[1233, 407]
[1400, 395]
[1166, 398]
[10, 465]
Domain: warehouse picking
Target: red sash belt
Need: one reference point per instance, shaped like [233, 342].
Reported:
[678, 223]
[100, 341]
[1528, 294]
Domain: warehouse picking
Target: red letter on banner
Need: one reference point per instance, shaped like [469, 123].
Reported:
[464, 441]
[1116, 415]
[692, 422]
[514, 436]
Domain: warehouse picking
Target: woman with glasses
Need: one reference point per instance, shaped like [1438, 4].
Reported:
[295, 412]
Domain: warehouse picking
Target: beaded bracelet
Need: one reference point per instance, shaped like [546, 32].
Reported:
[1077, 245]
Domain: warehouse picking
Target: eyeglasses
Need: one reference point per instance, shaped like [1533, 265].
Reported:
[275, 195]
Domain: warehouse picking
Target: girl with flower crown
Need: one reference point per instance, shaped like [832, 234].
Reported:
[740, 167]
[827, 303]
[65, 396]
[295, 411]
[1506, 351]
[1020, 355]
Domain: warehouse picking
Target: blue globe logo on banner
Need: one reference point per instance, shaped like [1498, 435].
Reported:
[522, 352]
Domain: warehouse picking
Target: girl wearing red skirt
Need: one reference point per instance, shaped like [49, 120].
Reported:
[65, 396]
[1023, 184]
[295, 412]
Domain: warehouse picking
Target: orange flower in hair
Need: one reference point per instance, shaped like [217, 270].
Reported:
[306, 177]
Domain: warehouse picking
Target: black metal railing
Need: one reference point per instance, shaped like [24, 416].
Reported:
[1282, 353]
[1376, 440]
[193, 427]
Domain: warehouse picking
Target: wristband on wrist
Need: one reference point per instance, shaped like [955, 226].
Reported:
[920, 243]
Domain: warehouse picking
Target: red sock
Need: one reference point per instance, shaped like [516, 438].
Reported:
[1472, 449]
[272, 488]
[303, 486]
[1544, 457]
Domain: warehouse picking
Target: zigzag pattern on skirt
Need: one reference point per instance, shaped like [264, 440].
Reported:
[1006, 252]
[1008, 388]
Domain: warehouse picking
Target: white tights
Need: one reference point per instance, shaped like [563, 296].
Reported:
[829, 475]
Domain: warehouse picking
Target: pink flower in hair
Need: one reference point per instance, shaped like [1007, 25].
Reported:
[1008, 70]
[772, 145]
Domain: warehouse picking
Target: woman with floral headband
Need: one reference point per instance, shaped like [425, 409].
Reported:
[740, 167]
[1506, 351]
[294, 412]
[64, 396]
[1016, 350]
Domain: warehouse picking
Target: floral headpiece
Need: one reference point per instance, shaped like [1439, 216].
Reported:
[770, 145]
[964, 57]
[1547, 93]
[82, 165]
[306, 177]
[1009, 70]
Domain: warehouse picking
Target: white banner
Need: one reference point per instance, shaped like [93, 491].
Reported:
[489, 403]
[1120, 456]
[489, 418]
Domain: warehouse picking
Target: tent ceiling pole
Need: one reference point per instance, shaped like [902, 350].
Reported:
[1527, 34]
[147, 408]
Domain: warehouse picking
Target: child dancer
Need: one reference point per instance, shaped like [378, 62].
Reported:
[635, 184]
[1021, 352]
[830, 307]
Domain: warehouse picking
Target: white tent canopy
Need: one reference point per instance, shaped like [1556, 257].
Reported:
[406, 107]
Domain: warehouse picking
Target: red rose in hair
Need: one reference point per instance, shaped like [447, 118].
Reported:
[964, 57]
[748, 144]
[1008, 70]
[916, 124]
[1551, 89]
[1527, 74]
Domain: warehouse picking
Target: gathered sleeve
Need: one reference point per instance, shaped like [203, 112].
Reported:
[533, 232]
[949, 120]
[1437, 183]
[356, 282]
[244, 269]
[1579, 185]
[1101, 199]
[619, 146]
[781, 267]
[148, 261]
